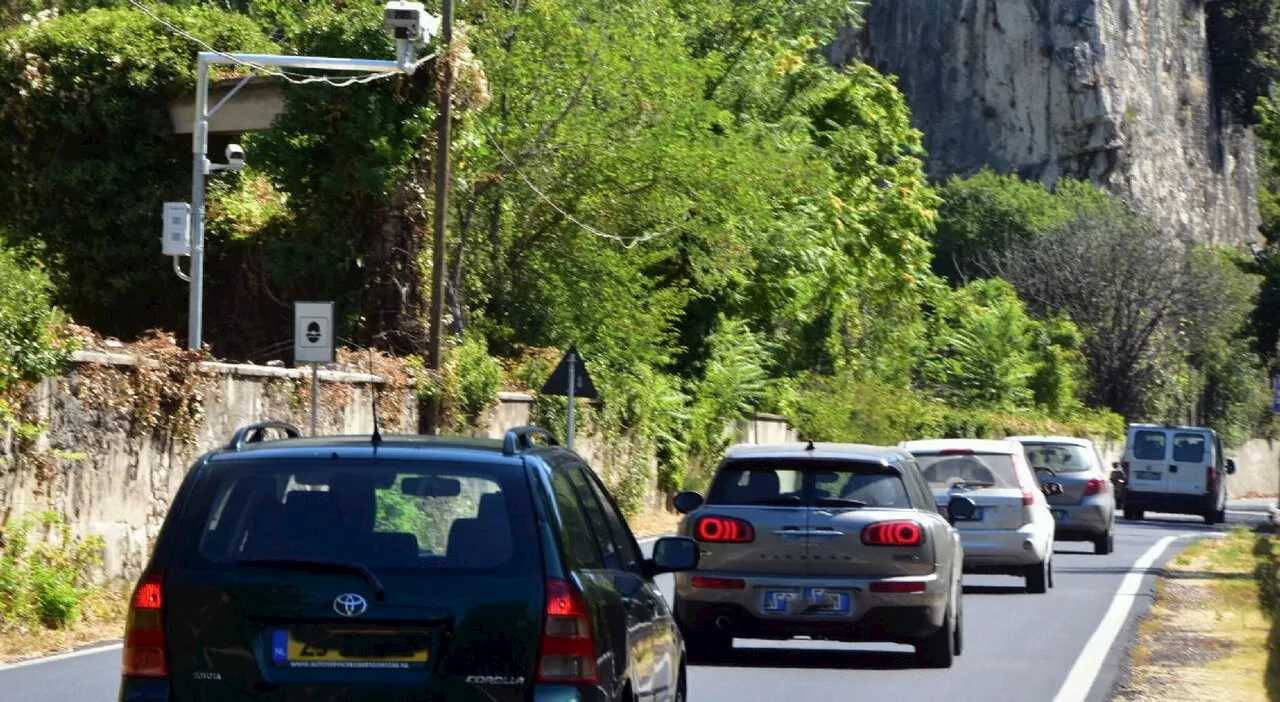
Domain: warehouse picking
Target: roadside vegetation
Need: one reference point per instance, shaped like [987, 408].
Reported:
[1214, 629]
[723, 223]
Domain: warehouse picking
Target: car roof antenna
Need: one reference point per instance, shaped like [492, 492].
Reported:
[377, 432]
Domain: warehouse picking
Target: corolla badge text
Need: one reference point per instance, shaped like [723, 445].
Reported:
[493, 680]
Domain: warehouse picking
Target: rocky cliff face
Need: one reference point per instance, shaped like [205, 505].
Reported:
[1117, 91]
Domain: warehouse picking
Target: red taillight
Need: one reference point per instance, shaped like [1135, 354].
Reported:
[1026, 480]
[144, 642]
[1213, 475]
[901, 533]
[1095, 486]
[568, 646]
[719, 583]
[897, 587]
[955, 452]
[725, 530]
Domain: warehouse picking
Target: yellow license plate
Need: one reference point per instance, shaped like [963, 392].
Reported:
[315, 648]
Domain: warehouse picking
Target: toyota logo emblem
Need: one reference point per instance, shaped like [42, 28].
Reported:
[350, 605]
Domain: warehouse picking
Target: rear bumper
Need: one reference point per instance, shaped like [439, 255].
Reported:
[145, 690]
[1085, 521]
[1169, 503]
[873, 616]
[159, 690]
[998, 550]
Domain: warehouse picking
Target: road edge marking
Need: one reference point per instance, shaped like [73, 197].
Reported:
[61, 656]
[1084, 672]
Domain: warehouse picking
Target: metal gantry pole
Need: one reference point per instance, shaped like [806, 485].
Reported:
[435, 330]
[573, 380]
[200, 149]
[315, 392]
[200, 146]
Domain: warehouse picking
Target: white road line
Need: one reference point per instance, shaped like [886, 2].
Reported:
[61, 656]
[1087, 666]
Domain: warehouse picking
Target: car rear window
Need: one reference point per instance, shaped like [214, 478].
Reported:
[808, 482]
[1188, 448]
[1061, 458]
[991, 470]
[1149, 445]
[418, 516]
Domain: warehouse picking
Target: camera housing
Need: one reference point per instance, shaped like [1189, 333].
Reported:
[235, 157]
[410, 21]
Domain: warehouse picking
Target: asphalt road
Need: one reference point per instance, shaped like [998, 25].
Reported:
[1018, 647]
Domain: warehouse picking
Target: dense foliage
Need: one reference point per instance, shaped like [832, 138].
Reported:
[721, 221]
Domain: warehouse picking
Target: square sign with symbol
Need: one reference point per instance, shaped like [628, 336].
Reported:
[313, 332]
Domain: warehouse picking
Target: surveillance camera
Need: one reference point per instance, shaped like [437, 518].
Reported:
[410, 20]
[235, 156]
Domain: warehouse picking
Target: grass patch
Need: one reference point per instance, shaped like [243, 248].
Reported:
[654, 523]
[1211, 633]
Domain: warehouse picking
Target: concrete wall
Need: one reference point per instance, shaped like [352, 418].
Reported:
[92, 465]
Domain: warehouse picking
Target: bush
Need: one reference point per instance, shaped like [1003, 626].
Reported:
[45, 571]
[31, 343]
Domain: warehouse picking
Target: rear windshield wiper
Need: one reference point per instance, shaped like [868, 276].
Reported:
[319, 567]
[971, 484]
[840, 502]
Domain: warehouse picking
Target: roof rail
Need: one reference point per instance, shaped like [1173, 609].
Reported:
[255, 433]
[520, 438]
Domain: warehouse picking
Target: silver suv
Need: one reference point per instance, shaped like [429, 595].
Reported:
[831, 541]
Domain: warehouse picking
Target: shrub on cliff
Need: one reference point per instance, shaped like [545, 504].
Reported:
[45, 571]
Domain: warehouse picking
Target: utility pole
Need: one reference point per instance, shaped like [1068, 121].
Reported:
[443, 180]
[410, 25]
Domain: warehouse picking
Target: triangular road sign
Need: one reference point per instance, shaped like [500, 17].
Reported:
[558, 383]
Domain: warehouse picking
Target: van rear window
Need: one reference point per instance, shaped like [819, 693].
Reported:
[410, 516]
[1149, 445]
[1188, 448]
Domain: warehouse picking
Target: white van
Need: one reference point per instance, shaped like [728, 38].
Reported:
[1175, 470]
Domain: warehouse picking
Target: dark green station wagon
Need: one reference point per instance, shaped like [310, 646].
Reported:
[398, 569]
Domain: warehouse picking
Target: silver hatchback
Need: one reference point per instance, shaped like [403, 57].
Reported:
[1085, 509]
[829, 541]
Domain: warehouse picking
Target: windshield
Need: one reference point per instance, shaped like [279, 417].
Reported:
[1149, 445]
[399, 517]
[1061, 458]
[972, 470]
[784, 482]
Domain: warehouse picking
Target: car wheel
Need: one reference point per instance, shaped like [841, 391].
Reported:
[938, 650]
[1104, 544]
[706, 646]
[1038, 578]
[681, 682]
[958, 636]
[1133, 515]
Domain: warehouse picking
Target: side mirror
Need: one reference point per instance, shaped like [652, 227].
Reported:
[672, 554]
[1231, 466]
[961, 508]
[1117, 477]
[1051, 489]
[687, 501]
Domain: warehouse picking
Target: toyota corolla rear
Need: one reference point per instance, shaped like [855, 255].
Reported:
[302, 580]
[812, 546]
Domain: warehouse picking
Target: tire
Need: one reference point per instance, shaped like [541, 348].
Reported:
[938, 650]
[706, 646]
[1220, 516]
[681, 683]
[1133, 515]
[1038, 577]
[958, 636]
[1106, 543]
